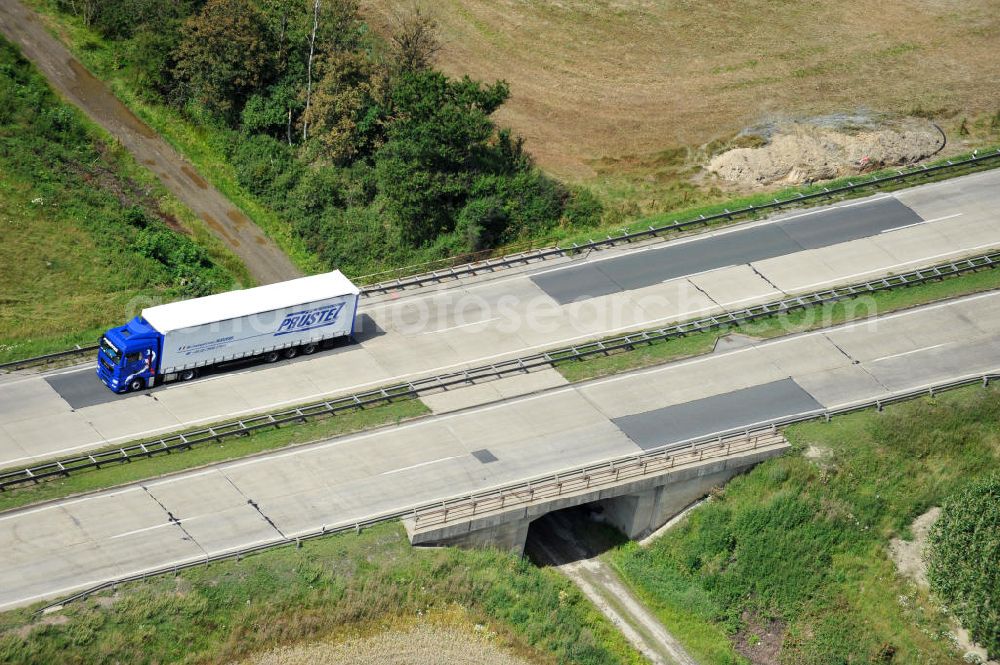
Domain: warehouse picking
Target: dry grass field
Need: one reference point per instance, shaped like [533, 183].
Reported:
[622, 93]
[440, 638]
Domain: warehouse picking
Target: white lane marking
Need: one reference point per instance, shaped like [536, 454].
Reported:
[921, 387]
[884, 269]
[569, 388]
[907, 353]
[792, 338]
[491, 408]
[694, 274]
[464, 325]
[679, 316]
[90, 367]
[922, 222]
[155, 526]
[62, 503]
[417, 466]
[672, 243]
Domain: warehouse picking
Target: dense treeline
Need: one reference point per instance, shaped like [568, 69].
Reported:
[375, 157]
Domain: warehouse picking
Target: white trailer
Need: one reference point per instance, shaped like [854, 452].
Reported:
[174, 341]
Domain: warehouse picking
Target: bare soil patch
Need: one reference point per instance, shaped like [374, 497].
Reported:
[423, 643]
[798, 152]
[636, 95]
[760, 639]
[908, 555]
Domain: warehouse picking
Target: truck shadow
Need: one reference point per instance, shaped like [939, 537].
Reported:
[82, 388]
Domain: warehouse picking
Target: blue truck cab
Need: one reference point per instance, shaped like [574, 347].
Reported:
[127, 356]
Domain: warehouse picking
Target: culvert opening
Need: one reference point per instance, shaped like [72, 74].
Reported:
[571, 534]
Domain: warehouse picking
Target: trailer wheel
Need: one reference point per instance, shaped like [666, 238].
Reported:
[271, 357]
[188, 374]
[309, 349]
[136, 385]
[291, 352]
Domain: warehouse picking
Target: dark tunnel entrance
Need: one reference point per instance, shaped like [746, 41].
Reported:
[571, 534]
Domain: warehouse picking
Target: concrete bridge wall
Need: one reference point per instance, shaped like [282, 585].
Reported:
[636, 507]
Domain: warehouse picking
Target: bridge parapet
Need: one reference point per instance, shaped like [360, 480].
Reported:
[638, 494]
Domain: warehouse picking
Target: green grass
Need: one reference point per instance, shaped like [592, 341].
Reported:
[207, 146]
[693, 202]
[230, 448]
[69, 260]
[204, 144]
[230, 610]
[803, 539]
[813, 318]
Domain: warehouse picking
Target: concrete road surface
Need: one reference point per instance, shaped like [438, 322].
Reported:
[66, 545]
[482, 320]
[262, 257]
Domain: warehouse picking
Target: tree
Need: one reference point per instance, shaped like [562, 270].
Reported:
[225, 54]
[438, 137]
[964, 560]
[413, 41]
[344, 98]
[339, 18]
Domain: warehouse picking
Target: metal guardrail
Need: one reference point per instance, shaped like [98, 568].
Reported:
[47, 359]
[452, 270]
[588, 479]
[692, 446]
[380, 396]
[524, 257]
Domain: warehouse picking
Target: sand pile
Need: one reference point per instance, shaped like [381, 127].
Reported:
[796, 152]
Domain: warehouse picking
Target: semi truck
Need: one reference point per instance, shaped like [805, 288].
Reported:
[177, 341]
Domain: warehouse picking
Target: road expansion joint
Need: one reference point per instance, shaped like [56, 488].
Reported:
[856, 362]
[173, 520]
[763, 277]
[253, 504]
[706, 294]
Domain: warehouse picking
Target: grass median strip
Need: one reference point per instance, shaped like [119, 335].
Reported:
[260, 441]
[644, 355]
[813, 318]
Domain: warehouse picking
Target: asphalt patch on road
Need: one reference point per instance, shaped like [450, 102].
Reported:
[717, 413]
[641, 269]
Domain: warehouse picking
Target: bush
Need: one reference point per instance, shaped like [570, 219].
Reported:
[964, 560]
[266, 167]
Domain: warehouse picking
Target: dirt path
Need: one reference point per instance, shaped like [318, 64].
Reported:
[265, 261]
[558, 546]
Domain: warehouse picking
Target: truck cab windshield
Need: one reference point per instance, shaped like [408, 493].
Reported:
[110, 351]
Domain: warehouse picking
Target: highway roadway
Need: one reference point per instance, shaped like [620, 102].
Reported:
[53, 549]
[480, 320]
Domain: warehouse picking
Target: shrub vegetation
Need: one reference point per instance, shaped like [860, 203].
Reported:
[85, 230]
[373, 157]
[964, 560]
[800, 542]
